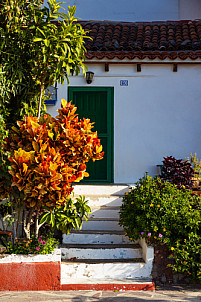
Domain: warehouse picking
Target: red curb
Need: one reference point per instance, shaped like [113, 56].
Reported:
[30, 276]
[109, 287]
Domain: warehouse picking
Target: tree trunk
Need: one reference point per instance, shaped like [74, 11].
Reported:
[2, 222]
[27, 222]
[36, 225]
[40, 99]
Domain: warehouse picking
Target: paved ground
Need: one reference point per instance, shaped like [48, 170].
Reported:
[162, 294]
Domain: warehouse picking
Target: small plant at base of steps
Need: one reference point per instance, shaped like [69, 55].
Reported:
[68, 216]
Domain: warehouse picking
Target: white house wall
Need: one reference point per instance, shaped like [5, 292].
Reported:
[158, 114]
[189, 9]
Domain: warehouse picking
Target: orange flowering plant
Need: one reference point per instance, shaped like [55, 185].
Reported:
[47, 156]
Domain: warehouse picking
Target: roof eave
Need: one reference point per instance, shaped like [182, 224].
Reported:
[149, 56]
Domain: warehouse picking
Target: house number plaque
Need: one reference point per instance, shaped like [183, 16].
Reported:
[123, 82]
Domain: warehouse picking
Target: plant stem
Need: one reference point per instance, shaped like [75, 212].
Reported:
[41, 90]
[18, 220]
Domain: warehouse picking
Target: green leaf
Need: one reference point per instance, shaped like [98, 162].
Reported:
[37, 39]
[41, 31]
[44, 217]
[52, 220]
[46, 42]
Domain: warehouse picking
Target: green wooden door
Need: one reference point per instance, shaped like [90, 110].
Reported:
[97, 104]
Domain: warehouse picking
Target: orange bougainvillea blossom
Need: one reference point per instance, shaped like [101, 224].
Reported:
[50, 154]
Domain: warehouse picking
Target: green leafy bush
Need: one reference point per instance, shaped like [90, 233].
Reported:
[162, 213]
[68, 216]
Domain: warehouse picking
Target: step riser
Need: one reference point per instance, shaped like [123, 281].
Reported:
[102, 225]
[100, 190]
[95, 239]
[117, 253]
[107, 213]
[81, 272]
[108, 201]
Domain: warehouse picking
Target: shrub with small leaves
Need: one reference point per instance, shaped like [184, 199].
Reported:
[162, 213]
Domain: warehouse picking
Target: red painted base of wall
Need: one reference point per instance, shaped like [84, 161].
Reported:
[109, 287]
[30, 276]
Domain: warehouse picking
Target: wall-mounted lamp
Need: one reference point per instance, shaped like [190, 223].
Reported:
[89, 77]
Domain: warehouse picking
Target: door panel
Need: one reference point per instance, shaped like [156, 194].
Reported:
[96, 103]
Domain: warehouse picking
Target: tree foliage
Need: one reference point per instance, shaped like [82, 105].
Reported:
[18, 88]
[39, 46]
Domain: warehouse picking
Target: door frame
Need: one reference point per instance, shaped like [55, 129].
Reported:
[110, 123]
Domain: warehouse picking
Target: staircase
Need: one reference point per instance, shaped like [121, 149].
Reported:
[100, 257]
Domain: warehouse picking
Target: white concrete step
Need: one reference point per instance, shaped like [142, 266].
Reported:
[104, 213]
[99, 272]
[100, 251]
[106, 201]
[95, 238]
[102, 225]
[87, 190]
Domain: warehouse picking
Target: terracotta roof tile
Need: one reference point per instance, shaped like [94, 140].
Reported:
[170, 39]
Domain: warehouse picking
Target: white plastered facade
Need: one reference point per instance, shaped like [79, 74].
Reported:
[158, 114]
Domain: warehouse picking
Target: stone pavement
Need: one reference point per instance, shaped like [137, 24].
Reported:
[161, 294]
